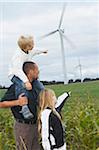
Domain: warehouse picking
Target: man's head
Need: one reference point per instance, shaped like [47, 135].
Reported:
[26, 43]
[31, 70]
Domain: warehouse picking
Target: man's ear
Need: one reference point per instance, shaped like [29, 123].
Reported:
[30, 71]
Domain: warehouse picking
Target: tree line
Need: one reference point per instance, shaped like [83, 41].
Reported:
[61, 82]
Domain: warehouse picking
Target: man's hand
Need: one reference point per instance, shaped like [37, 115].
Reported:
[22, 100]
[45, 52]
[28, 85]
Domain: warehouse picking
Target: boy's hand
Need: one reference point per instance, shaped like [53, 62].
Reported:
[45, 52]
[28, 85]
[22, 100]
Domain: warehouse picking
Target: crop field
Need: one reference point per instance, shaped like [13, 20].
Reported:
[80, 117]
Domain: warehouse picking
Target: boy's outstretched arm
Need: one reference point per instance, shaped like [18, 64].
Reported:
[37, 52]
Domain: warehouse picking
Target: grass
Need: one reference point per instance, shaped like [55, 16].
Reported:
[80, 115]
[84, 91]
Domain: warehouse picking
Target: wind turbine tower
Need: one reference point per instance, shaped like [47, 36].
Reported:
[80, 69]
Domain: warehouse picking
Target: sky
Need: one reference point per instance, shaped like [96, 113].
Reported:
[80, 24]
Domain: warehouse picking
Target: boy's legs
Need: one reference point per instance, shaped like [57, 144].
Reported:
[16, 80]
[37, 86]
[19, 89]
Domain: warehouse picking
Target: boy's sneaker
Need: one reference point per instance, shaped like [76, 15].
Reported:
[26, 112]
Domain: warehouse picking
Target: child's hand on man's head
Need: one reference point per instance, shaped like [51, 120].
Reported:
[28, 85]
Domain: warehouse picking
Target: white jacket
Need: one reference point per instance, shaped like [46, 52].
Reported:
[17, 62]
[50, 124]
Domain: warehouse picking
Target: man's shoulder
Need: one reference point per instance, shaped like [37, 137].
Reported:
[37, 84]
[10, 93]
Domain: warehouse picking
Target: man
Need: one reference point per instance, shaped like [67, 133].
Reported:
[26, 134]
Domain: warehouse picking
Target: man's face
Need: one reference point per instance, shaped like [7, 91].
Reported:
[35, 72]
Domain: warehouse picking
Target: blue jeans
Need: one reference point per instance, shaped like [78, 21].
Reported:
[19, 89]
[37, 86]
[19, 86]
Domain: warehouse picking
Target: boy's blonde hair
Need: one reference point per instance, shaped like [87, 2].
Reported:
[45, 100]
[24, 41]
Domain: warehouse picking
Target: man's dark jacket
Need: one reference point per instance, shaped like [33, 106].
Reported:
[37, 86]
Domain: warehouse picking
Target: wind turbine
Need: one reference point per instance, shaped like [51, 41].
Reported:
[62, 35]
[80, 69]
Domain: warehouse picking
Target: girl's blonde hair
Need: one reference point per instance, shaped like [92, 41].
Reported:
[45, 100]
[24, 41]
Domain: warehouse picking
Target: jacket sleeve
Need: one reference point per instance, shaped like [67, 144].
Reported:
[35, 52]
[45, 130]
[61, 101]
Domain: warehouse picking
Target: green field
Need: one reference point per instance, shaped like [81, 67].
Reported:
[80, 116]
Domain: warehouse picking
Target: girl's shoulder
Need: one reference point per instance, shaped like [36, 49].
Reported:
[45, 111]
[45, 114]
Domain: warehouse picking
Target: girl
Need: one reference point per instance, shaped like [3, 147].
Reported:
[49, 120]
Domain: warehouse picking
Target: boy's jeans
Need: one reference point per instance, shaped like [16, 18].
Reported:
[19, 89]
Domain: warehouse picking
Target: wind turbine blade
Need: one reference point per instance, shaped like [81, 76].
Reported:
[46, 35]
[68, 40]
[61, 18]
